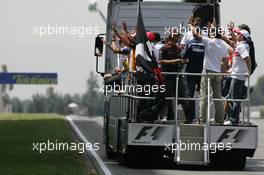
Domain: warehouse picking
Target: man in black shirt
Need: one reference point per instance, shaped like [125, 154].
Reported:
[170, 58]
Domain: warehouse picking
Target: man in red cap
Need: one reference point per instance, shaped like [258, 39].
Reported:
[150, 36]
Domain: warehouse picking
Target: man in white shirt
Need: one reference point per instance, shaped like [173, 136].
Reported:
[215, 51]
[241, 65]
[157, 46]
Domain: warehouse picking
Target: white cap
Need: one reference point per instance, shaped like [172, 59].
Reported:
[244, 33]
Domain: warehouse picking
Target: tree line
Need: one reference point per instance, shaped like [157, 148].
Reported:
[257, 96]
[90, 103]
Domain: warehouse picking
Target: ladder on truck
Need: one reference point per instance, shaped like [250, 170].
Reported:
[189, 136]
[199, 134]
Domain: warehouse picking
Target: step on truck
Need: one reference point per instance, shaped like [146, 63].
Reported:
[129, 139]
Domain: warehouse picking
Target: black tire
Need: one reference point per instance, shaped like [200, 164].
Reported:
[110, 154]
[241, 163]
[231, 160]
[121, 159]
[124, 159]
[236, 163]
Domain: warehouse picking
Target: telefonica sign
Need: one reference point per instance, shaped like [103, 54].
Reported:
[29, 78]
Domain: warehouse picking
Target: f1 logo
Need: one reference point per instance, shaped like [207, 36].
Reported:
[232, 135]
[154, 132]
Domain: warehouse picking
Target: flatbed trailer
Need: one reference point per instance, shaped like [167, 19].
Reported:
[128, 139]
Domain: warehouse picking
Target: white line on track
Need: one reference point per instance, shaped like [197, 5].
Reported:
[94, 154]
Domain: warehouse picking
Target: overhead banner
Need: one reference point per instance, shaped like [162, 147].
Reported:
[29, 78]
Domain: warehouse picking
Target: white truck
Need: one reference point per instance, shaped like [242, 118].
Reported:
[129, 140]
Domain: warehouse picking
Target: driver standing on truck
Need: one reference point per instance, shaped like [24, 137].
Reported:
[193, 57]
[216, 50]
[170, 58]
[241, 65]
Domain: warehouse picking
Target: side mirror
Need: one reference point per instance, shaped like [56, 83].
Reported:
[98, 50]
[99, 47]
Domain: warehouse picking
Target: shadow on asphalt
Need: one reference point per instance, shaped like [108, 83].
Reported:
[258, 165]
[168, 165]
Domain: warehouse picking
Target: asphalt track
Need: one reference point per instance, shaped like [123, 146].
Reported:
[90, 129]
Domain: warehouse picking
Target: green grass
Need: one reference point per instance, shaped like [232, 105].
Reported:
[18, 132]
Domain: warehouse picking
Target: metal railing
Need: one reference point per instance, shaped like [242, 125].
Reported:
[133, 97]
[209, 100]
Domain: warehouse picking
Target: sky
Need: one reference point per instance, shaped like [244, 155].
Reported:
[71, 56]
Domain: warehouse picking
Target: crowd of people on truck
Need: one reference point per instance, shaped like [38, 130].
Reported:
[196, 52]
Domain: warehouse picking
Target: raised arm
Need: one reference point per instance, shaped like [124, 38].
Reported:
[231, 28]
[231, 43]
[196, 34]
[124, 25]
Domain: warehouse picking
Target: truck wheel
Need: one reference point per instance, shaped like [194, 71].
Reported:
[230, 160]
[240, 164]
[110, 154]
[121, 158]
[124, 159]
[237, 161]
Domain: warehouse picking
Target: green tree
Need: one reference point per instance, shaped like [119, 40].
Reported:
[76, 98]
[257, 97]
[27, 106]
[17, 105]
[93, 99]
[52, 102]
[38, 104]
[67, 99]
[4, 97]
